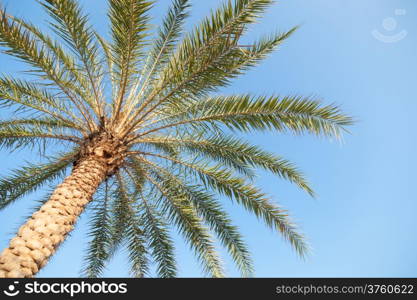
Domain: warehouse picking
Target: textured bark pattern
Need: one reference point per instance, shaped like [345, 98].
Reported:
[39, 238]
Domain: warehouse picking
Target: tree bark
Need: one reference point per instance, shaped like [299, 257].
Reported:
[47, 228]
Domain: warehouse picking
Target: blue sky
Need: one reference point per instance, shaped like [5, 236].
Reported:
[363, 222]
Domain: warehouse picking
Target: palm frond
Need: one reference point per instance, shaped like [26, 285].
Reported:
[168, 35]
[21, 43]
[67, 62]
[164, 44]
[32, 177]
[17, 136]
[155, 228]
[210, 211]
[224, 181]
[127, 227]
[99, 247]
[157, 232]
[28, 96]
[105, 45]
[136, 245]
[129, 26]
[120, 208]
[247, 113]
[206, 59]
[219, 68]
[179, 211]
[215, 38]
[72, 26]
[201, 148]
[38, 122]
[235, 153]
[256, 202]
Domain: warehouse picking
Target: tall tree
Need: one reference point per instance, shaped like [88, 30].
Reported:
[146, 141]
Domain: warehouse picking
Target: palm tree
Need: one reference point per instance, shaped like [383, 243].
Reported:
[149, 144]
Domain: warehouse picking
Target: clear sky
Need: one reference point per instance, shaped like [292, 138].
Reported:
[363, 222]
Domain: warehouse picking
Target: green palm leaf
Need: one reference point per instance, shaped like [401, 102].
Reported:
[179, 211]
[99, 248]
[246, 113]
[32, 177]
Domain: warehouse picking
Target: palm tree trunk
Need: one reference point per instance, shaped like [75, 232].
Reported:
[39, 238]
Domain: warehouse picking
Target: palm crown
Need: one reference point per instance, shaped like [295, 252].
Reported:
[141, 116]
